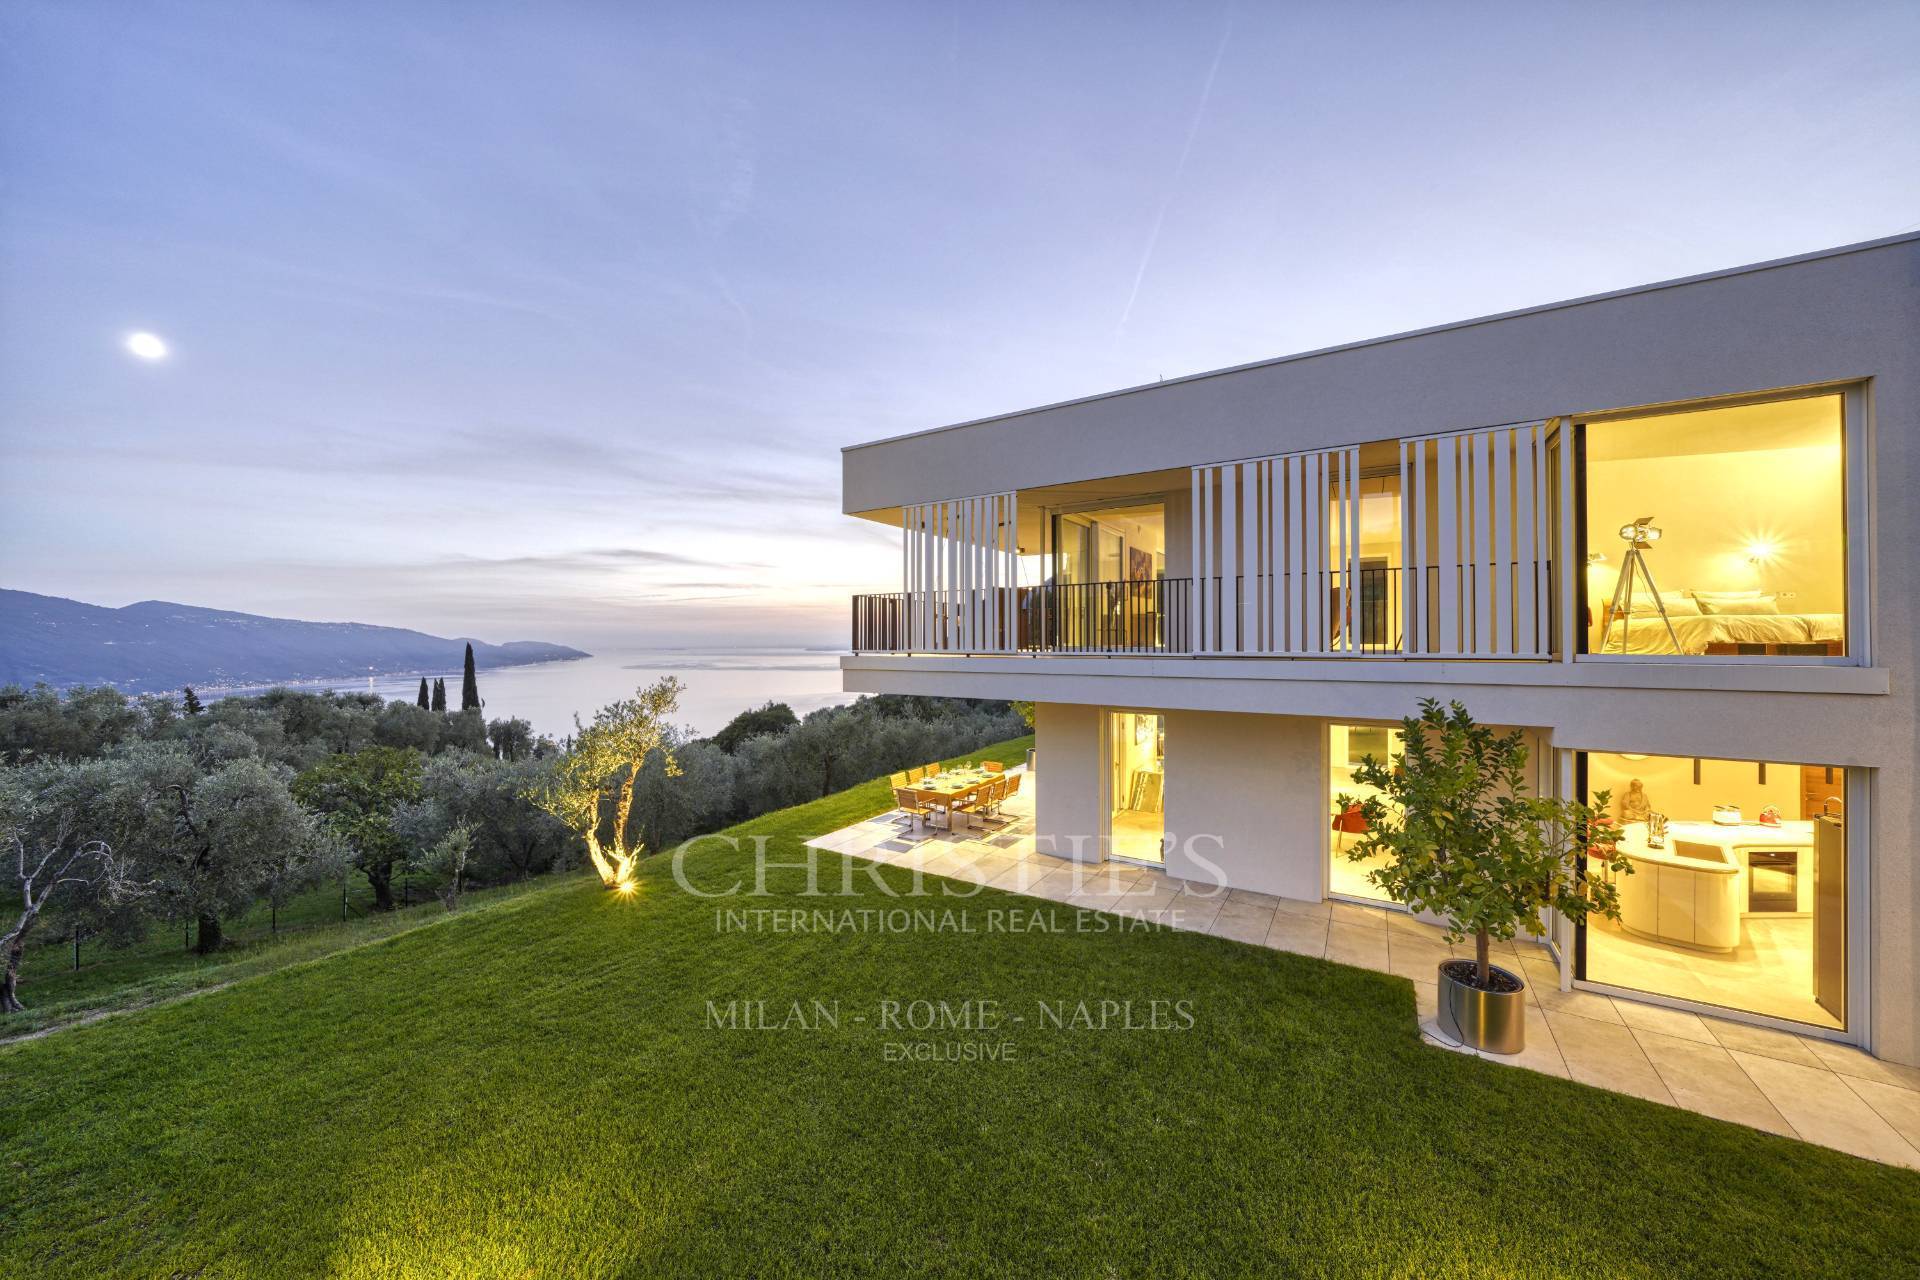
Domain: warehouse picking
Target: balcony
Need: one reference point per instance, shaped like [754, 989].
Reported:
[1162, 616]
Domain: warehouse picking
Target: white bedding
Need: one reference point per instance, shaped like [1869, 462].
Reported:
[1696, 631]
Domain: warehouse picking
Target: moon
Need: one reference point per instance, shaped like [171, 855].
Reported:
[147, 346]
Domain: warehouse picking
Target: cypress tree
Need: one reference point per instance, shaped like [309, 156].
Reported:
[469, 686]
[191, 702]
[426, 699]
[439, 695]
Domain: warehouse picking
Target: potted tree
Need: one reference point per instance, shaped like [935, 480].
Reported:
[1464, 840]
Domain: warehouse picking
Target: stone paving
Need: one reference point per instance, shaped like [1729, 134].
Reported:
[1801, 1086]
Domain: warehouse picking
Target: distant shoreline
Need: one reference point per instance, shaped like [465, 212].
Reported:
[308, 682]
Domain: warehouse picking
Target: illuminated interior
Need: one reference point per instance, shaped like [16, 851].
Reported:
[1113, 544]
[1741, 902]
[1743, 546]
[1349, 744]
[1137, 754]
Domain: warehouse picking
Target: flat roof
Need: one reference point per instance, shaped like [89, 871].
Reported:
[1769, 265]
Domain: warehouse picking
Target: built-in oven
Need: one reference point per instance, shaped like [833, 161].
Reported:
[1773, 880]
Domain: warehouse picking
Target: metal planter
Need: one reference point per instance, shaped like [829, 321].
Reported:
[1492, 1020]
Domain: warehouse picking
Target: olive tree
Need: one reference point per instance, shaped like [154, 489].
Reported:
[1464, 840]
[359, 795]
[55, 853]
[591, 787]
[208, 839]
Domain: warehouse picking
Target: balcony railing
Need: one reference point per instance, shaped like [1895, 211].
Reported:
[1158, 617]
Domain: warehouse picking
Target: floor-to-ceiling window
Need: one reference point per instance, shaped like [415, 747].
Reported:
[1108, 567]
[1136, 756]
[1718, 532]
[1350, 744]
[1739, 890]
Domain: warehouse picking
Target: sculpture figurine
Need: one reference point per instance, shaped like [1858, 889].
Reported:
[1634, 805]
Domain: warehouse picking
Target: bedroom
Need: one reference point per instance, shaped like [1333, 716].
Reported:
[1729, 527]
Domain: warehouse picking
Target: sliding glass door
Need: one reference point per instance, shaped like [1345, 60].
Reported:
[1136, 764]
[1348, 745]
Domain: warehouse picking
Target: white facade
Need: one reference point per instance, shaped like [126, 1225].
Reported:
[1339, 534]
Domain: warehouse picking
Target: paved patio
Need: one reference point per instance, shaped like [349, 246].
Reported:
[1822, 1092]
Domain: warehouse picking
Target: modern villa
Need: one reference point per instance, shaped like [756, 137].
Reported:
[1670, 533]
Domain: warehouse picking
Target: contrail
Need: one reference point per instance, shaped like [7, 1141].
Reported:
[1179, 169]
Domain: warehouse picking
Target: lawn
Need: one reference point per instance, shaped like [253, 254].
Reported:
[162, 966]
[531, 1088]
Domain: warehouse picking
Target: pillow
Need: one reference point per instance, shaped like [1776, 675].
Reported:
[1677, 607]
[1740, 602]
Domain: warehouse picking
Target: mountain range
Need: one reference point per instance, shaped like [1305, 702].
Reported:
[157, 644]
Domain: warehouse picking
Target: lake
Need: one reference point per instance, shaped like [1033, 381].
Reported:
[719, 685]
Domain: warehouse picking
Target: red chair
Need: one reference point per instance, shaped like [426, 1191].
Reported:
[1349, 821]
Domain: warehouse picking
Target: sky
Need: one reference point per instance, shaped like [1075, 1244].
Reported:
[548, 321]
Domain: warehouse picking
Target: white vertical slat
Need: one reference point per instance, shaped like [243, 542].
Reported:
[1251, 541]
[990, 573]
[976, 572]
[1423, 584]
[1406, 551]
[1449, 549]
[1339, 625]
[957, 564]
[1482, 447]
[1229, 558]
[1193, 568]
[1542, 544]
[1336, 545]
[1269, 574]
[1202, 559]
[1353, 551]
[1563, 548]
[1308, 538]
[950, 558]
[1002, 571]
[1322, 552]
[1210, 617]
[1005, 576]
[1296, 554]
[1499, 586]
[1526, 642]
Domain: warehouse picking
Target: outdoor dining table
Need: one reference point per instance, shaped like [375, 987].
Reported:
[951, 787]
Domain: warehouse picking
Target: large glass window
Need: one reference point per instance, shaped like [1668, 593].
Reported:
[1718, 531]
[1349, 745]
[1738, 895]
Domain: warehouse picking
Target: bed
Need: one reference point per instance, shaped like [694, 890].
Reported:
[1720, 624]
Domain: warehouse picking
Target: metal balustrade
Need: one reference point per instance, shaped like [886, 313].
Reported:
[1158, 616]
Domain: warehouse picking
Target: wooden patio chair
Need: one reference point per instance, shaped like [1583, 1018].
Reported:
[994, 766]
[912, 805]
[914, 774]
[931, 771]
[981, 800]
[897, 780]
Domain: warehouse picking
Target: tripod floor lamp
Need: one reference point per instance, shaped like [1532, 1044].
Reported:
[1639, 537]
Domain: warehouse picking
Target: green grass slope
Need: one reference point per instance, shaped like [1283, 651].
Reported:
[530, 1089]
